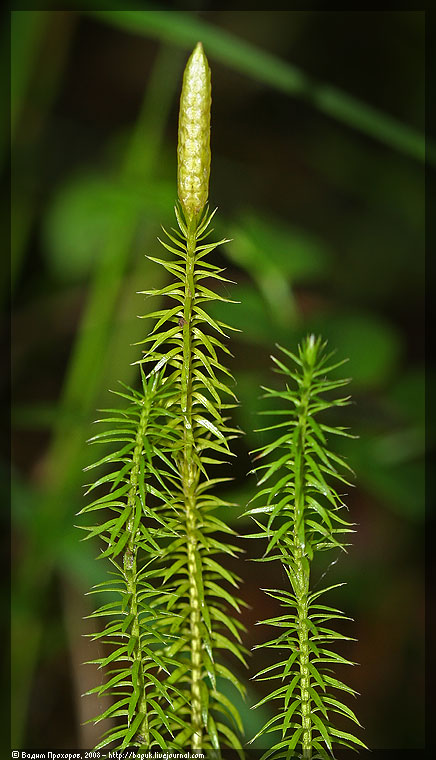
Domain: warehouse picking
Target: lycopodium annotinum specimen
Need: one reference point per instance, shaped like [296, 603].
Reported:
[300, 515]
[169, 633]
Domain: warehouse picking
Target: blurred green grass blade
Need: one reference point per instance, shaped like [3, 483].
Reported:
[277, 256]
[27, 31]
[83, 383]
[184, 29]
[82, 212]
[93, 330]
[5, 95]
[32, 31]
[144, 151]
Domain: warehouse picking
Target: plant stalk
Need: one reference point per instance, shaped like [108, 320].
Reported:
[302, 569]
[130, 558]
[303, 639]
[189, 481]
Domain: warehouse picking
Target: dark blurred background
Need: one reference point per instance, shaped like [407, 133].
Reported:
[324, 199]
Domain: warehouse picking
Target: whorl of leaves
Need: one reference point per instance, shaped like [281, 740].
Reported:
[170, 631]
[301, 513]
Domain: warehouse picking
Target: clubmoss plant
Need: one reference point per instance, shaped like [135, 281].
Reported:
[301, 515]
[169, 629]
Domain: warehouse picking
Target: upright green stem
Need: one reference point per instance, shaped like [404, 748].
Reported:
[303, 639]
[130, 557]
[302, 569]
[189, 473]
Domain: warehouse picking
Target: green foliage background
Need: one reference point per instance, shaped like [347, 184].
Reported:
[317, 169]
